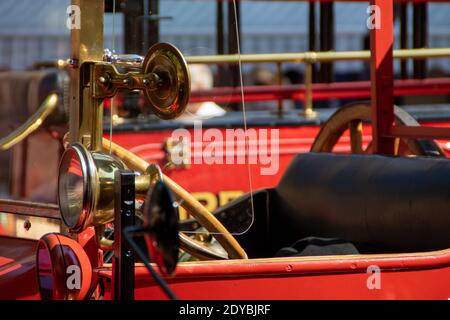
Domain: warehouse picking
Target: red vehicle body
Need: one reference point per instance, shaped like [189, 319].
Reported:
[411, 275]
[294, 139]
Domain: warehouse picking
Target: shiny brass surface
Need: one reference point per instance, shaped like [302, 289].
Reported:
[173, 90]
[163, 78]
[189, 203]
[166, 84]
[58, 64]
[86, 111]
[143, 183]
[199, 249]
[130, 62]
[179, 147]
[308, 112]
[106, 166]
[93, 204]
[34, 122]
[312, 57]
[109, 80]
[106, 244]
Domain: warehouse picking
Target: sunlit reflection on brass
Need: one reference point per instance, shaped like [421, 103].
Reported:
[170, 98]
[86, 187]
[163, 78]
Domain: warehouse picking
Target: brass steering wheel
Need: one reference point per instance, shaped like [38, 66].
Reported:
[191, 205]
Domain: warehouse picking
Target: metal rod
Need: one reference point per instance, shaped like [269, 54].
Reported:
[308, 103]
[317, 56]
[309, 58]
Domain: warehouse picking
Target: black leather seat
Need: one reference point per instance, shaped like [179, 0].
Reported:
[399, 203]
[396, 204]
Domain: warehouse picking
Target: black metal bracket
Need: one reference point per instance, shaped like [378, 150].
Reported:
[124, 257]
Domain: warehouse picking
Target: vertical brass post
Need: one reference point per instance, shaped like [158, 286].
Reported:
[86, 112]
[308, 102]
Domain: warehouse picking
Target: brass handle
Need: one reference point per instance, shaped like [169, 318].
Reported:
[34, 122]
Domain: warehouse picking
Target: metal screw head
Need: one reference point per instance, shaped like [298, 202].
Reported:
[27, 224]
[104, 79]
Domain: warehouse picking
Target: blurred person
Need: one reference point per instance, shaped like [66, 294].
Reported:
[202, 79]
[292, 77]
[262, 76]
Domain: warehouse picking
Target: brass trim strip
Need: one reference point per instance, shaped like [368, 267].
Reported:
[27, 208]
[254, 261]
[312, 57]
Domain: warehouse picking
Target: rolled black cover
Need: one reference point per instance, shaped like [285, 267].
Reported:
[401, 204]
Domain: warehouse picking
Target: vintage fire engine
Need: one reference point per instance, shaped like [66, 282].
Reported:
[117, 224]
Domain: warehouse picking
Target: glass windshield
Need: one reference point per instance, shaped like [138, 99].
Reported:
[209, 150]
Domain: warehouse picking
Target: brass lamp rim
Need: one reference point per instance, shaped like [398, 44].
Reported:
[90, 189]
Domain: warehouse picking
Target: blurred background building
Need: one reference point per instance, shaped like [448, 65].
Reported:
[35, 30]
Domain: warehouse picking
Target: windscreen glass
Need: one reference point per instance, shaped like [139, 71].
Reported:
[211, 149]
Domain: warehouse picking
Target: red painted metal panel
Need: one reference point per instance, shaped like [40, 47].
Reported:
[293, 140]
[381, 72]
[17, 269]
[406, 277]
[321, 91]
